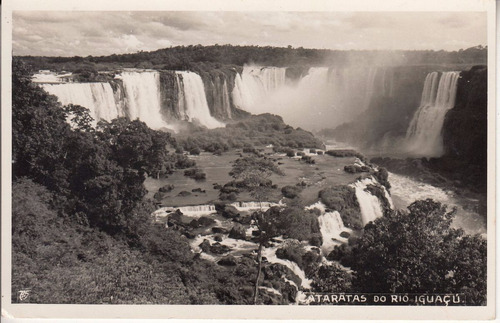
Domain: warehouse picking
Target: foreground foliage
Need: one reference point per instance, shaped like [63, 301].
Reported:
[417, 252]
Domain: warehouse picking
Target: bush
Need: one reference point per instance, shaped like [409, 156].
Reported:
[345, 153]
[196, 174]
[291, 192]
[342, 198]
[195, 151]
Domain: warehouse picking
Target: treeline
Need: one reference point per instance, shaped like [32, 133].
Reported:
[188, 57]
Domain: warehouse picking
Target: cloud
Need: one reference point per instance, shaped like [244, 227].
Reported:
[105, 32]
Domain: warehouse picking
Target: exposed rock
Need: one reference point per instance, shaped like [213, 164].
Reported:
[220, 230]
[247, 219]
[205, 246]
[344, 234]
[184, 193]
[159, 196]
[219, 249]
[202, 222]
[227, 261]
[167, 188]
[238, 232]
[218, 237]
[230, 212]
[199, 190]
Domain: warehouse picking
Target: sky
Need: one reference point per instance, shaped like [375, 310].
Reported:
[96, 33]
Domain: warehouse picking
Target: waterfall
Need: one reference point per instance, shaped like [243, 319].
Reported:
[331, 226]
[424, 135]
[270, 254]
[191, 210]
[142, 93]
[322, 98]
[251, 206]
[255, 84]
[193, 101]
[226, 105]
[368, 203]
[97, 97]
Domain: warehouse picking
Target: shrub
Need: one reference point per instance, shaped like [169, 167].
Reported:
[196, 174]
[291, 192]
[342, 198]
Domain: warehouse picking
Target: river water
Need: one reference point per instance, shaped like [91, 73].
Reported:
[405, 190]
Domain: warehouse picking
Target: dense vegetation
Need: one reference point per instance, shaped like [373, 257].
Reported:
[191, 57]
[416, 251]
[82, 231]
[256, 130]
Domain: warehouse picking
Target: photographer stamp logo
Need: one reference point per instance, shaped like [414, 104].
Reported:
[23, 295]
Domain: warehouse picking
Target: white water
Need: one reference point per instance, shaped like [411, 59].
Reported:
[331, 226]
[270, 254]
[255, 84]
[225, 100]
[142, 93]
[323, 98]
[193, 101]
[405, 191]
[368, 203]
[424, 134]
[250, 206]
[97, 97]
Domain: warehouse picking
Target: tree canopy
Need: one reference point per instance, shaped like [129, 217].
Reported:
[417, 251]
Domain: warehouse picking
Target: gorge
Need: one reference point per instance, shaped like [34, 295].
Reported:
[216, 173]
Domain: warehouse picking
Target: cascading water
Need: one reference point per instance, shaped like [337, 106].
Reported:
[97, 97]
[192, 100]
[255, 84]
[368, 203]
[142, 92]
[331, 226]
[322, 98]
[226, 105]
[424, 135]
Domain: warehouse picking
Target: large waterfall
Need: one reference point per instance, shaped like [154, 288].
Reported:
[255, 84]
[424, 135]
[142, 92]
[193, 101]
[323, 98]
[97, 97]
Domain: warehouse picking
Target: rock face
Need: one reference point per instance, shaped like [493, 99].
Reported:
[230, 212]
[238, 232]
[465, 130]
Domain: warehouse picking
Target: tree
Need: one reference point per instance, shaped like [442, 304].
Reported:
[254, 173]
[418, 252]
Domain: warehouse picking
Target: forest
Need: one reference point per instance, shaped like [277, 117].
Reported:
[83, 230]
[193, 57]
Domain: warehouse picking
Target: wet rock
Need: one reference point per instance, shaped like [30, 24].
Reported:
[220, 230]
[238, 232]
[255, 233]
[201, 222]
[243, 219]
[205, 246]
[167, 188]
[230, 212]
[189, 234]
[218, 238]
[198, 190]
[219, 249]
[345, 234]
[159, 196]
[227, 261]
[184, 193]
